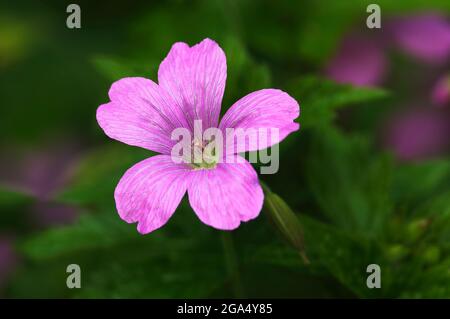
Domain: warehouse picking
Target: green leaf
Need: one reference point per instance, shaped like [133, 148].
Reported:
[330, 250]
[244, 75]
[115, 68]
[10, 197]
[14, 204]
[320, 99]
[98, 173]
[417, 182]
[90, 232]
[349, 183]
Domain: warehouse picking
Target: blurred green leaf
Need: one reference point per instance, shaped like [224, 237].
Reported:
[114, 69]
[88, 233]
[320, 99]
[13, 197]
[98, 173]
[416, 182]
[341, 255]
[349, 183]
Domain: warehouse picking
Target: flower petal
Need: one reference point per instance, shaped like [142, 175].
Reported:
[139, 114]
[195, 78]
[359, 61]
[225, 196]
[441, 91]
[418, 134]
[425, 36]
[150, 191]
[263, 110]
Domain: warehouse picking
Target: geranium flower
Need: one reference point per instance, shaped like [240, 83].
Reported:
[191, 83]
[40, 173]
[418, 134]
[361, 59]
[424, 36]
[441, 91]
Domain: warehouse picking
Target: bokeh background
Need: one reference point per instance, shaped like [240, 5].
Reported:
[365, 180]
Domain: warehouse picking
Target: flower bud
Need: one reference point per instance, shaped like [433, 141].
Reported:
[285, 221]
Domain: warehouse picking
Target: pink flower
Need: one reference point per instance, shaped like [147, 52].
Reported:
[41, 173]
[425, 36]
[359, 61]
[418, 134]
[191, 83]
[441, 91]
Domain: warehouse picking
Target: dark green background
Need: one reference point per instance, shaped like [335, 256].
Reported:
[356, 204]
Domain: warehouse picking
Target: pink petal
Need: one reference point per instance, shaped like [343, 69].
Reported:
[150, 191]
[359, 61]
[195, 77]
[225, 196]
[263, 110]
[440, 94]
[424, 36]
[418, 134]
[140, 114]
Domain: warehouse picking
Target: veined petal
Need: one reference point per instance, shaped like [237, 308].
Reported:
[139, 114]
[225, 196]
[261, 111]
[150, 191]
[195, 78]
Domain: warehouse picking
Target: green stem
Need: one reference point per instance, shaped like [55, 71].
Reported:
[232, 264]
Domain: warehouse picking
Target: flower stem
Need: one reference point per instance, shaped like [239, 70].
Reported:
[232, 264]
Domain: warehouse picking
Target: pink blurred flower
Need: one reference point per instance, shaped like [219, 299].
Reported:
[41, 173]
[441, 91]
[143, 113]
[425, 36]
[359, 61]
[418, 134]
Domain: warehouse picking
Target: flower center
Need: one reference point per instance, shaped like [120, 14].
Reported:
[203, 154]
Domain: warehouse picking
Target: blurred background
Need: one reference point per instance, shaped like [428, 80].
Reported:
[364, 181]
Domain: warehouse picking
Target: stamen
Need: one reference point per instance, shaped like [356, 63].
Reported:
[203, 154]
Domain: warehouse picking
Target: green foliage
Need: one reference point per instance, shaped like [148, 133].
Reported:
[338, 198]
[350, 185]
[104, 164]
[320, 99]
[285, 220]
[13, 208]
